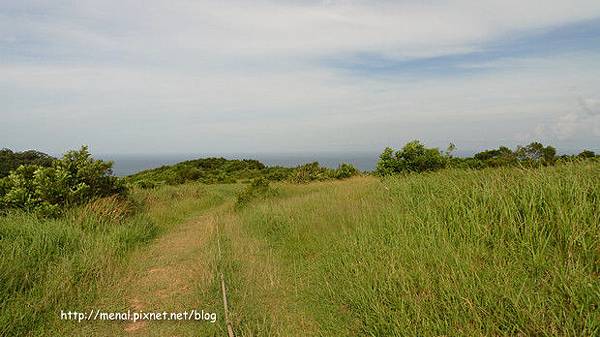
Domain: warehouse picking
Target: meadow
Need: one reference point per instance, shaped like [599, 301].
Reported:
[49, 265]
[492, 252]
[498, 251]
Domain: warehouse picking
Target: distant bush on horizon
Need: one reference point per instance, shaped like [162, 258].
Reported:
[10, 160]
[415, 157]
[221, 170]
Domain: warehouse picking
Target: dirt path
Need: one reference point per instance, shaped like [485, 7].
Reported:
[181, 270]
[176, 273]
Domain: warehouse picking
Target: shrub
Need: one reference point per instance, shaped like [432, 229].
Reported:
[74, 179]
[536, 154]
[586, 154]
[413, 157]
[503, 156]
[259, 188]
[387, 163]
[309, 172]
[344, 171]
[205, 170]
[10, 160]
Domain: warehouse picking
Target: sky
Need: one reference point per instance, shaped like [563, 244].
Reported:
[298, 76]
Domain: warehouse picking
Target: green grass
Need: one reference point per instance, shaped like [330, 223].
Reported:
[491, 252]
[499, 252]
[53, 264]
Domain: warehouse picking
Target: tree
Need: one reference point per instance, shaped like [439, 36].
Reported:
[549, 155]
[387, 164]
[586, 154]
[413, 157]
[536, 153]
[74, 179]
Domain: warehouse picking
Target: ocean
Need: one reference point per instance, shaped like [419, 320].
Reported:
[127, 164]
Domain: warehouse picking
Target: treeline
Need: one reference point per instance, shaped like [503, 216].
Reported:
[415, 157]
[34, 181]
[10, 160]
[47, 186]
[222, 171]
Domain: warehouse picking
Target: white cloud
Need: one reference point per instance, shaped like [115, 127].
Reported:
[208, 29]
[243, 76]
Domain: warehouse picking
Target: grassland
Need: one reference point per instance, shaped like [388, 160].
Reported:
[504, 251]
[492, 252]
[67, 263]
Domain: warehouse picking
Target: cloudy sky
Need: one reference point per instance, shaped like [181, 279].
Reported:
[277, 76]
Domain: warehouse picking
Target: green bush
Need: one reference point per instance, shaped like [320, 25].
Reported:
[230, 171]
[309, 172]
[344, 171]
[536, 154]
[74, 179]
[10, 160]
[586, 154]
[413, 157]
[259, 188]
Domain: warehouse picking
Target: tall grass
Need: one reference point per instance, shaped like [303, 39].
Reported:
[456, 252]
[48, 265]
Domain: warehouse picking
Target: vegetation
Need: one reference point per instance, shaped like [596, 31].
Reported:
[508, 249]
[493, 252]
[221, 170]
[10, 160]
[415, 157]
[67, 263]
[258, 189]
[72, 180]
[52, 264]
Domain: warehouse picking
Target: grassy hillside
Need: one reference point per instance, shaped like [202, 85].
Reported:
[503, 251]
[492, 252]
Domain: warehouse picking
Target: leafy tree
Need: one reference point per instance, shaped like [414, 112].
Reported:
[413, 157]
[536, 153]
[74, 179]
[549, 155]
[387, 163]
[501, 152]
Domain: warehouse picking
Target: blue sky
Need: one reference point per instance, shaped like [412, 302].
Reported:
[555, 41]
[277, 76]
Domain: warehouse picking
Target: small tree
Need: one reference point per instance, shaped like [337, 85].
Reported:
[74, 179]
[387, 163]
[413, 157]
[536, 153]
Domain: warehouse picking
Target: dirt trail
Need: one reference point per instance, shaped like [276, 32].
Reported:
[181, 270]
[175, 273]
